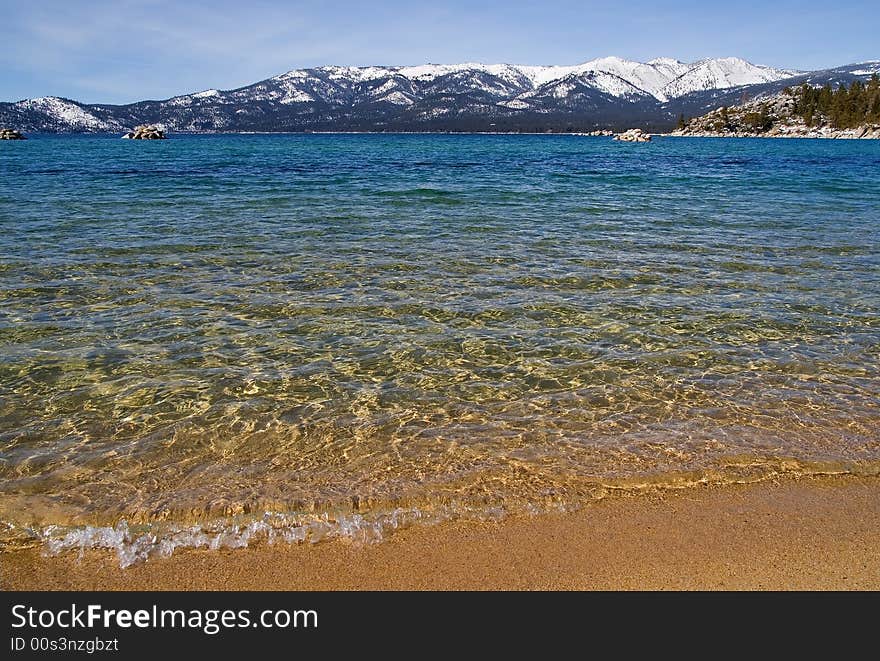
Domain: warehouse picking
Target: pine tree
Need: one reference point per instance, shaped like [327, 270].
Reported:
[682, 122]
[826, 95]
[844, 107]
[808, 116]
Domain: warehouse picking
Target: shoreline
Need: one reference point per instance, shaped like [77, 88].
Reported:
[768, 137]
[807, 533]
[494, 133]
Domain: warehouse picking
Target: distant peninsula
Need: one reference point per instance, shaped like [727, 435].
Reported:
[847, 112]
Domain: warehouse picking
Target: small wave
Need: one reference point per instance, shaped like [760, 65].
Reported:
[422, 195]
[133, 544]
[137, 543]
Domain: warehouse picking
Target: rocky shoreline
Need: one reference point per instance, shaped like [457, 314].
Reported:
[773, 117]
[11, 134]
[867, 132]
[630, 135]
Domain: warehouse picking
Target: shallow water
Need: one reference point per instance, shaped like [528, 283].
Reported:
[301, 336]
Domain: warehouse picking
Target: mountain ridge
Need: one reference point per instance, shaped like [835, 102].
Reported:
[605, 92]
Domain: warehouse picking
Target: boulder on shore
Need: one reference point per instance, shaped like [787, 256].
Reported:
[633, 135]
[145, 132]
[11, 134]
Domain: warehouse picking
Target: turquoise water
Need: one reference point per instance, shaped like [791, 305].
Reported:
[216, 337]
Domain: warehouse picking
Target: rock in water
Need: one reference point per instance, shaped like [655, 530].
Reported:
[633, 135]
[145, 132]
[11, 134]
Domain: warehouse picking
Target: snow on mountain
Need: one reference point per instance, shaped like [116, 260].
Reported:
[356, 74]
[650, 78]
[665, 78]
[541, 75]
[297, 96]
[514, 104]
[670, 63]
[608, 91]
[869, 68]
[397, 98]
[661, 78]
[582, 82]
[66, 113]
[426, 72]
[510, 86]
[721, 73]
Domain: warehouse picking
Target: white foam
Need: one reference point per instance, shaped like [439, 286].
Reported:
[134, 544]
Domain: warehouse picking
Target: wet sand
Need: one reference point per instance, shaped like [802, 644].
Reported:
[819, 533]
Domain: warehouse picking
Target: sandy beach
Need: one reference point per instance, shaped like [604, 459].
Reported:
[819, 533]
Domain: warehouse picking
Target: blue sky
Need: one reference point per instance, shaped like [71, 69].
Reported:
[126, 50]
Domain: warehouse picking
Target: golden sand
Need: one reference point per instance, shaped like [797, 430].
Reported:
[819, 533]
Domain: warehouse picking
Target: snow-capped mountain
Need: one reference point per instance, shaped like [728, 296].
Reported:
[663, 78]
[64, 115]
[717, 74]
[606, 92]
